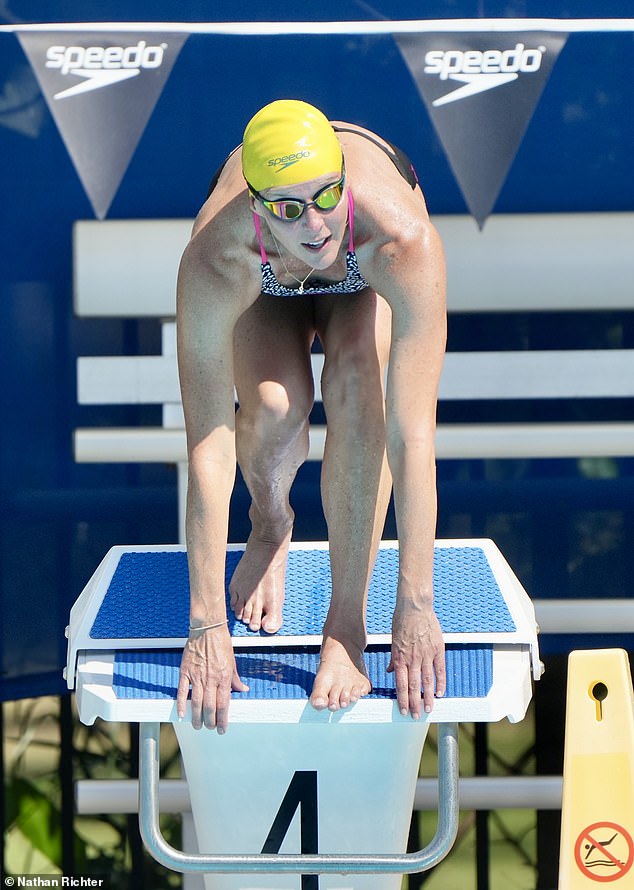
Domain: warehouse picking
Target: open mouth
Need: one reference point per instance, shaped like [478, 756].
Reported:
[316, 245]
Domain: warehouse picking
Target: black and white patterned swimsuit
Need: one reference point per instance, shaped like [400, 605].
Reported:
[351, 284]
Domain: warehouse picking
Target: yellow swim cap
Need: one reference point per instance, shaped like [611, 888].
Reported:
[288, 142]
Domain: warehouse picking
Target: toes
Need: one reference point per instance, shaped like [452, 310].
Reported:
[245, 613]
[336, 699]
[319, 703]
[319, 697]
[252, 613]
[272, 621]
[255, 617]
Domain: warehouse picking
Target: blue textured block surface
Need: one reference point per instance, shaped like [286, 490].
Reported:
[148, 596]
[278, 674]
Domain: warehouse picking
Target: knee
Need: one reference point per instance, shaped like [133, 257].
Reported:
[274, 414]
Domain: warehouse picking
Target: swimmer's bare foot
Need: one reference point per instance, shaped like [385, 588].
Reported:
[341, 678]
[258, 584]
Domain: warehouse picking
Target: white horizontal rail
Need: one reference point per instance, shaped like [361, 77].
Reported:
[453, 442]
[602, 616]
[98, 796]
[127, 380]
[538, 374]
[496, 269]
[127, 268]
[151, 445]
[534, 440]
[473, 376]
[353, 27]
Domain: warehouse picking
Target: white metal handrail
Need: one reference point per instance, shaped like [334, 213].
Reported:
[286, 863]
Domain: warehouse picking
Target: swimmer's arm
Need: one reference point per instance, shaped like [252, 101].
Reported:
[205, 322]
[206, 315]
[414, 285]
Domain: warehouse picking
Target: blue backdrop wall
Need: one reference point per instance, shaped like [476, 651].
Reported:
[57, 518]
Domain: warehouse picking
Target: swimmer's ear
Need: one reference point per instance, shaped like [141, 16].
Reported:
[256, 207]
[253, 207]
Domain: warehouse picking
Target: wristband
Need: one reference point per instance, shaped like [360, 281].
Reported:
[208, 626]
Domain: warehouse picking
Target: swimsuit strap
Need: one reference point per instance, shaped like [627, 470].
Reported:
[258, 232]
[350, 222]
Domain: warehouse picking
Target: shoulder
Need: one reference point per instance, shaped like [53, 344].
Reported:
[385, 202]
[398, 263]
[399, 249]
[393, 230]
[222, 254]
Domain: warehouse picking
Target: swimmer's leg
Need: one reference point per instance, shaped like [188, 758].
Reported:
[275, 392]
[356, 483]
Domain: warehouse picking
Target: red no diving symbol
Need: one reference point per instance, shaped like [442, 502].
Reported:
[604, 851]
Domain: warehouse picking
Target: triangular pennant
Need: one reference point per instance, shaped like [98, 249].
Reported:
[101, 88]
[481, 89]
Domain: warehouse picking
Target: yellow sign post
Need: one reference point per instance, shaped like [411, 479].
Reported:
[597, 836]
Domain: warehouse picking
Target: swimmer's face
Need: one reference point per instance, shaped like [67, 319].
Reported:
[316, 235]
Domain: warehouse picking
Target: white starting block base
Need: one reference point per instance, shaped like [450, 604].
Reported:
[288, 780]
[308, 787]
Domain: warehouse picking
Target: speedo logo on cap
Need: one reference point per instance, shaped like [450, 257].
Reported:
[285, 161]
[481, 70]
[102, 66]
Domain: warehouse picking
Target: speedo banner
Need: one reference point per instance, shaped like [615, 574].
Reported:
[480, 90]
[101, 89]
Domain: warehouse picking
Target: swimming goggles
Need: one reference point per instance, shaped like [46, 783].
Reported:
[289, 210]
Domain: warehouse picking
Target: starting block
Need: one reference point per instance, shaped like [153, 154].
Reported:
[289, 790]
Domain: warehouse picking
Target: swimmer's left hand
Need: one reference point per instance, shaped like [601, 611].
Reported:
[418, 657]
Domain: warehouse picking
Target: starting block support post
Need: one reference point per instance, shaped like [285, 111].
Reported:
[290, 790]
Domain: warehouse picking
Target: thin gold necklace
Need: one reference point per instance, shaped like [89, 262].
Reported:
[300, 281]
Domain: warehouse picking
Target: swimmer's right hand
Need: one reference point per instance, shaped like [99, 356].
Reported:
[209, 665]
